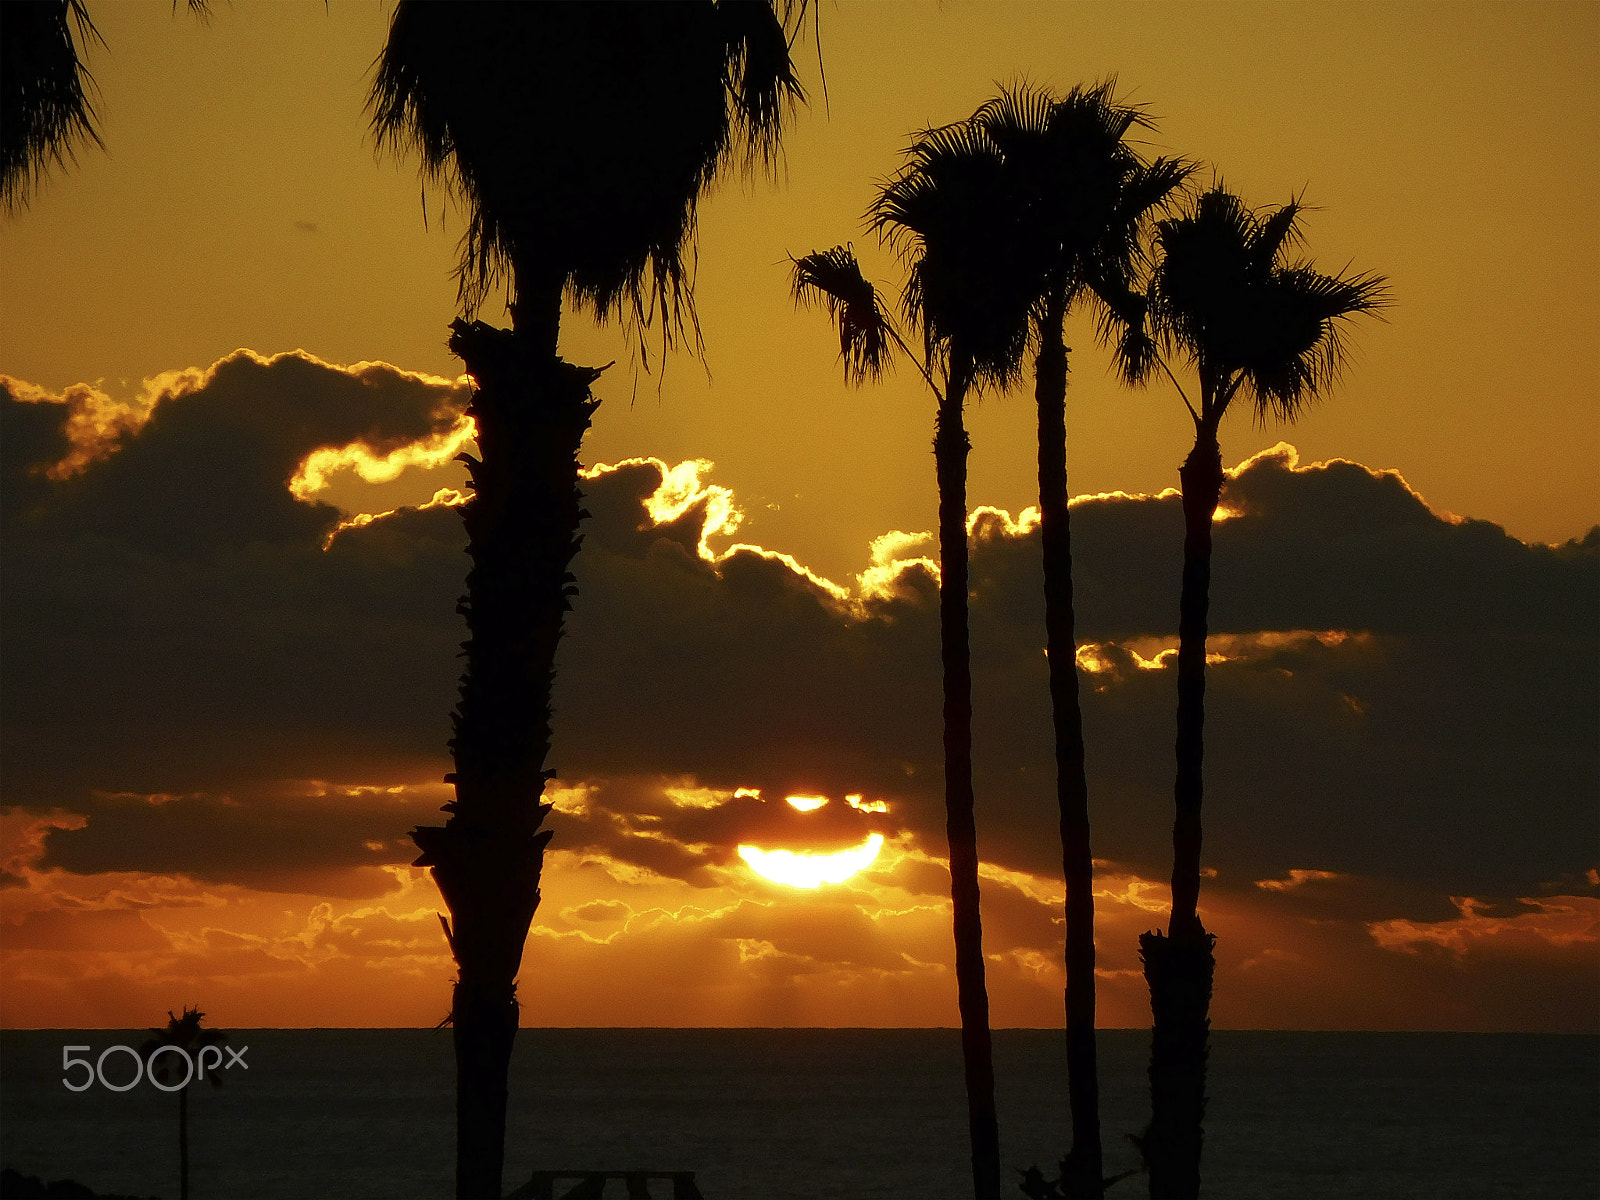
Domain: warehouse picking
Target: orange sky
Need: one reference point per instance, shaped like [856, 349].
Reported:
[240, 206]
[1453, 148]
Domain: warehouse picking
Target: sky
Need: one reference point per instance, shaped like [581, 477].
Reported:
[227, 658]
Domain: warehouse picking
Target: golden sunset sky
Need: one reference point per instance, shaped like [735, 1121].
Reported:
[217, 731]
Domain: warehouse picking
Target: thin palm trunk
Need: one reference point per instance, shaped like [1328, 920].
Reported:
[1082, 1174]
[183, 1143]
[531, 410]
[1180, 967]
[950, 448]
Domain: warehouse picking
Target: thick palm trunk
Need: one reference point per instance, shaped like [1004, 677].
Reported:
[532, 411]
[1179, 968]
[1082, 1171]
[950, 448]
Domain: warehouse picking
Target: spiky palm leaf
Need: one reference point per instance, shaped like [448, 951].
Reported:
[46, 92]
[1222, 297]
[581, 136]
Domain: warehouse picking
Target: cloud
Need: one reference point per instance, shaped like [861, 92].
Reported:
[1571, 921]
[214, 677]
[196, 464]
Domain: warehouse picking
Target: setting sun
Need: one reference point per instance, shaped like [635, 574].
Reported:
[811, 870]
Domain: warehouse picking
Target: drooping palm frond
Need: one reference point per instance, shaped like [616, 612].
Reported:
[833, 279]
[760, 72]
[1222, 297]
[46, 92]
[580, 137]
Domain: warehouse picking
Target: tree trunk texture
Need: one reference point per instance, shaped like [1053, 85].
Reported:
[532, 410]
[1180, 967]
[1082, 1173]
[950, 448]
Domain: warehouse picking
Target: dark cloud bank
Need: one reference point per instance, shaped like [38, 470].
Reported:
[1405, 697]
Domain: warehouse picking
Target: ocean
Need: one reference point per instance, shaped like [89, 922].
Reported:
[813, 1114]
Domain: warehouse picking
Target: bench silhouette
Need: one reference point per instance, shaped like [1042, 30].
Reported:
[592, 1185]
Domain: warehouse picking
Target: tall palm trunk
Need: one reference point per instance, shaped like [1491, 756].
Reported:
[1179, 968]
[1082, 1173]
[531, 410]
[183, 1143]
[950, 449]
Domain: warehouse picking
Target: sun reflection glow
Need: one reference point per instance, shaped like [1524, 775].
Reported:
[811, 870]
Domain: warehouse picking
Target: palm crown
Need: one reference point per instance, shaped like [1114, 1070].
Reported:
[955, 215]
[1223, 297]
[186, 1033]
[580, 136]
[1085, 192]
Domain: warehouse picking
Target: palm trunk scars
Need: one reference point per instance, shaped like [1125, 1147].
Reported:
[950, 448]
[532, 411]
[1083, 1171]
[1180, 968]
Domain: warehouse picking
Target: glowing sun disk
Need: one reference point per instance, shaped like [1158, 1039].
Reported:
[805, 803]
[811, 870]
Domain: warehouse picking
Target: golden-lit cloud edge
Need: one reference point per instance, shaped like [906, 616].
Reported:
[1555, 922]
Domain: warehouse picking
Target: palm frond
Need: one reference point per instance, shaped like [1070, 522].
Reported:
[1277, 232]
[1122, 325]
[1304, 336]
[833, 279]
[760, 73]
[1019, 113]
[46, 92]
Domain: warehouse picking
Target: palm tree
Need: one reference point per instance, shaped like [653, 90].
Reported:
[1223, 297]
[579, 138]
[1087, 196]
[46, 109]
[970, 285]
[184, 1033]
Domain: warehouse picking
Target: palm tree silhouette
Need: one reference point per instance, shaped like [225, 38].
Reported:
[46, 110]
[1086, 198]
[970, 284]
[579, 138]
[46, 106]
[1223, 297]
[184, 1033]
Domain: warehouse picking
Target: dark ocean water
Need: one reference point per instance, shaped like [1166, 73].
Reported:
[808, 1114]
